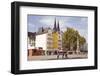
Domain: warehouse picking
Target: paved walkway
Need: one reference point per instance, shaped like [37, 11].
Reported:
[54, 57]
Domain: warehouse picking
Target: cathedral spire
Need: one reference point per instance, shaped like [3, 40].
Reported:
[55, 28]
[58, 29]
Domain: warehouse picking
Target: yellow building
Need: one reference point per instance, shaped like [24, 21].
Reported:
[57, 40]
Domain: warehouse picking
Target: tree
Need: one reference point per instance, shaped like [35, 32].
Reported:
[69, 39]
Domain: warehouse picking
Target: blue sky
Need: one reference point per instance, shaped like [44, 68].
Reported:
[76, 22]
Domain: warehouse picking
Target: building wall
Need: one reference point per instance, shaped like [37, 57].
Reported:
[41, 41]
[31, 43]
[60, 40]
[55, 40]
[84, 47]
[49, 40]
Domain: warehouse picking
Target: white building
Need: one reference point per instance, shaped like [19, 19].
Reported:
[44, 40]
[41, 40]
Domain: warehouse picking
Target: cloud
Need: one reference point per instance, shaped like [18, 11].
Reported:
[47, 21]
[31, 27]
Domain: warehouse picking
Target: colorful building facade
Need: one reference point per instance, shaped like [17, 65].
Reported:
[49, 39]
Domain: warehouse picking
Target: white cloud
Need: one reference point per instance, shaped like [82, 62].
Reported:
[31, 27]
[48, 21]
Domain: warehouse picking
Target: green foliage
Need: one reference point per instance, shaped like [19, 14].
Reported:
[69, 38]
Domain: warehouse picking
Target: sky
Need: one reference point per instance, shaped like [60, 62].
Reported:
[76, 22]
